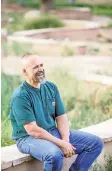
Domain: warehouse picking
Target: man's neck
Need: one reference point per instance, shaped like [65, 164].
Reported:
[33, 84]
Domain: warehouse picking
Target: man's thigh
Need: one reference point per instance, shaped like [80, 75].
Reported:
[38, 148]
[82, 140]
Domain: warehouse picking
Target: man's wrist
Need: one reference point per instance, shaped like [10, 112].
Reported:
[65, 139]
[60, 143]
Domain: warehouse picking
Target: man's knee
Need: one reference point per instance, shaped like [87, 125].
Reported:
[95, 144]
[100, 144]
[56, 155]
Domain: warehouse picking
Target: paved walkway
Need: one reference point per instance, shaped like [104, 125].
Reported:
[84, 67]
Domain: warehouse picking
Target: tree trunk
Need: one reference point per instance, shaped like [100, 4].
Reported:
[46, 5]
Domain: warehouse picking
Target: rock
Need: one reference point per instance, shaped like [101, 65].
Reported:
[32, 14]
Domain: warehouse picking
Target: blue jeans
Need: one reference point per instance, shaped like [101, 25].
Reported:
[88, 148]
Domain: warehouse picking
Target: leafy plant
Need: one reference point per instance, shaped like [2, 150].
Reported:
[48, 21]
[9, 83]
[108, 165]
[16, 48]
[68, 51]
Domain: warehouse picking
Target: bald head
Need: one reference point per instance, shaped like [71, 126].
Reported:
[32, 67]
[29, 60]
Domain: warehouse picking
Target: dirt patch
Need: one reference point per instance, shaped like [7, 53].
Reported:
[107, 34]
[14, 7]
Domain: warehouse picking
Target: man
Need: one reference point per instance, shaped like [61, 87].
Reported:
[40, 124]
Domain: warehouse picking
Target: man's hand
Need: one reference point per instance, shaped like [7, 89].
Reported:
[67, 149]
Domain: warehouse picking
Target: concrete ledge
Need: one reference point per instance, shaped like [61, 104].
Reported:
[65, 13]
[79, 48]
[103, 130]
[12, 157]
[13, 160]
[102, 79]
[74, 13]
[74, 30]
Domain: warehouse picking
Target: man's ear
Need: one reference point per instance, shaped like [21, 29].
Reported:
[24, 72]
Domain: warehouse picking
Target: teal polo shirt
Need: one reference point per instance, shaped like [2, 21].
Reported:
[30, 104]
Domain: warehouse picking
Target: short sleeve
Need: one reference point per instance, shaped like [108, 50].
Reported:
[22, 111]
[60, 109]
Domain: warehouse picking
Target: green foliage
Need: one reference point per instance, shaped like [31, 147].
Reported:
[19, 23]
[105, 101]
[16, 24]
[85, 115]
[16, 48]
[48, 21]
[6, 131]
[68, 51]
[107, 166]
[31, 4]
[89, 112]
[98, 9]
[109, 25]
[96, 167]
[9, 83]
[68, 86]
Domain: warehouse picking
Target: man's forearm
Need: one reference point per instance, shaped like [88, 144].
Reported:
[43, 134]
[63, 127]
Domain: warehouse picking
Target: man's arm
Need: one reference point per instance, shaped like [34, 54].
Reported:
[34, 130]
[63, 126]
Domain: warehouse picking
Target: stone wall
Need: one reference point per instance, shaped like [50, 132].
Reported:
[74, 13]
[72, 34]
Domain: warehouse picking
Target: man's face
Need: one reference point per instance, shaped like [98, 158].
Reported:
[35, 70]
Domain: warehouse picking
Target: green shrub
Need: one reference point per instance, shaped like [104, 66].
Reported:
[108, 165]
[96, 167]
[90, 111]
[84, 115]
[9, 83]
[68, 51]
[109, 24]
[21, 48]
[47, 21]
[105, 102]
[16, 48]
[6, 130]
[16, 24]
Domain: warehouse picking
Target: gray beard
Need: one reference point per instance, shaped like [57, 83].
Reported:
[42, 81]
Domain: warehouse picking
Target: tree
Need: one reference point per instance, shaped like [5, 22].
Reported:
[46, 5]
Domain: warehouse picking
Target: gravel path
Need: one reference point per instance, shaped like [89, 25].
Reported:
[84, 67]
